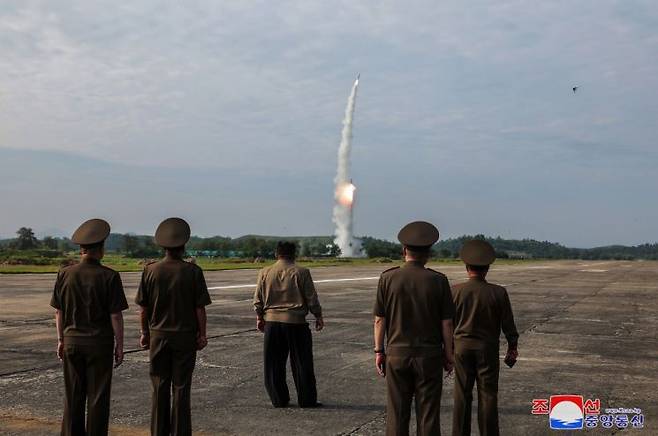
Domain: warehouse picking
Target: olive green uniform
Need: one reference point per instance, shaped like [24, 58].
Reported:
[87, 294]
[171, 290]
[413, 300]
[482, 309]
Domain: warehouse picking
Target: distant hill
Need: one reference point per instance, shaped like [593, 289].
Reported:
[253, 245]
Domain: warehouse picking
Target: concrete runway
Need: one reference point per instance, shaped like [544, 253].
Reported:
[586, 328]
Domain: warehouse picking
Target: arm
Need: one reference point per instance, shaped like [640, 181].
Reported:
[117, 326]
[446, 331]
[56, 303]
[145, 337]
[202, 300]
[311, 297]
[380, 356]
[509, 330]
[59, 324]
[201, 320]
[447, 326]
[258, 303]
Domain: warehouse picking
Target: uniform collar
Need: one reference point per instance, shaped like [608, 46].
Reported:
[285, 262]
[477, 279]
[413, 263]
[90, 260]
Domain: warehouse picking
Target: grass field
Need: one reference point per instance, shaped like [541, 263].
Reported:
[126, 264]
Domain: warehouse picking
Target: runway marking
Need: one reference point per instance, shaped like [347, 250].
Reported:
[594, 270]
[352, 279]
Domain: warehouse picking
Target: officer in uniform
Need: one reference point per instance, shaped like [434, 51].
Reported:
[414, 311]
[482, 309]
[88, 299]
[284, 295]
[172, 297]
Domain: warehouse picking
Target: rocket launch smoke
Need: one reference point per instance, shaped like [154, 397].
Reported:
[344, 194]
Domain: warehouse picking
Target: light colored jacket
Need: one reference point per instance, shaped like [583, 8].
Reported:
[285, 293]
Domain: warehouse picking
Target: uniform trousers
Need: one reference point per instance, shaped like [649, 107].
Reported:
[172, 363]
[476, 364]
[87, 379]
[281, 340]
[408, 377]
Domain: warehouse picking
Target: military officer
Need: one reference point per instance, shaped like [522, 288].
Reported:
[414, 312]
[284, 295]
[88, 299]
[482, 309]
[172, 297]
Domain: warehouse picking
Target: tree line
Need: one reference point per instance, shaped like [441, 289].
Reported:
[252, 246]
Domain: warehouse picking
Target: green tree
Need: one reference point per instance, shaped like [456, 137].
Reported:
[65, 245]
[129, 243]
[26, 239]
[50, 243]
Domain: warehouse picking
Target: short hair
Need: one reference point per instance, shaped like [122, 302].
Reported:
[419, 250]
[286, 249]
[478, 268]
[180, 249]
[93, 247]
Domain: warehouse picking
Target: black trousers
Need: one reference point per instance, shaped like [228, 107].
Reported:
[172, 364]
[87, 379]
[476, 365]
[282, 339]
[408, 377]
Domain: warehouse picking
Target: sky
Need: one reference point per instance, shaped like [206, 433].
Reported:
[229, 114]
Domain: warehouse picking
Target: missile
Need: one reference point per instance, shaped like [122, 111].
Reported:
[358, 75]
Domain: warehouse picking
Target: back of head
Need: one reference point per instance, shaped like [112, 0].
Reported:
[420, 254]
[417, 238]
[286, 250]
[90, 236]
[95, 250]
[172, 233]
[478, 253]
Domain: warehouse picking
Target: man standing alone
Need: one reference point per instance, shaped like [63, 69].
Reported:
[172, 297]
[284, 295]
[482, 309]
[414, 311]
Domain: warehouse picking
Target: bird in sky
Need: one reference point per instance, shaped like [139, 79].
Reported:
[575, 88]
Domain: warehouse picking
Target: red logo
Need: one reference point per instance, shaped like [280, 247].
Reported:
[566, 412]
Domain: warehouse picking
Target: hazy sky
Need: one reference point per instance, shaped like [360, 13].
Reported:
[229, 114]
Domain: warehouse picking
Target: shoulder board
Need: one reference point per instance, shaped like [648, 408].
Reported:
[64, 268]
[390, 269]
[149, 263]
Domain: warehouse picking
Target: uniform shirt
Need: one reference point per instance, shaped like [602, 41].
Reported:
[172, 290]
[413, 300]
[482, 310]
[87, 293]
[285, 293]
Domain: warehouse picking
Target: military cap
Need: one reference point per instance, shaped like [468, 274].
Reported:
[91, 232]
[477, 252]
[172, 233]
[418, 234]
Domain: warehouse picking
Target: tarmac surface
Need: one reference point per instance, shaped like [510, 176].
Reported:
[587, 328]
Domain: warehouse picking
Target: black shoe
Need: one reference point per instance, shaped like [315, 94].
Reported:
[280, 406]
[317, 404]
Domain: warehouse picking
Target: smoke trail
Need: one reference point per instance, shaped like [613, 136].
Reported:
[342, 218]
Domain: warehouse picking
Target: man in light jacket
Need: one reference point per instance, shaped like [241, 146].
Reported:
[284, 295]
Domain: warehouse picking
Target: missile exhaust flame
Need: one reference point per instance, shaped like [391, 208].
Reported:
[344, 193]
